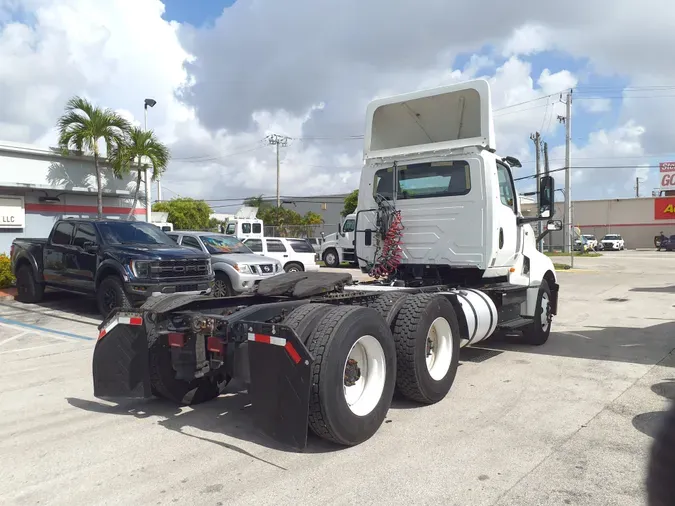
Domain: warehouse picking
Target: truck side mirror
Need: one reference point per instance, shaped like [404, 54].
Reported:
[554, 225]
[546, 196]
[340, 228]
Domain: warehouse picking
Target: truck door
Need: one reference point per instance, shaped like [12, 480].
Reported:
[83, 260]
[55, 251]
[506, 226]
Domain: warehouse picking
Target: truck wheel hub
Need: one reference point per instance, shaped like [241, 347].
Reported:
[352, 372]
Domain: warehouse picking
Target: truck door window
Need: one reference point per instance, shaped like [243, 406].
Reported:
[255, 245]
[191, 242]
[245, 228]
[257, 228]
[506, 191]
[349, 226]
[63, 233]
[425, 180]
[85, 233]
[231, 229]
[275, 246]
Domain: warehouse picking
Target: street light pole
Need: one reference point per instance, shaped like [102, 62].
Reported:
[149, 102]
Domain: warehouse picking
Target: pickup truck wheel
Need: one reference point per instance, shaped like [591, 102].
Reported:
[353, 375]
[293, 267]
[165, 385]
[222, 287]
[27, 288]
[426, 333]
[331, 258]
[538, 331]
[110, 295]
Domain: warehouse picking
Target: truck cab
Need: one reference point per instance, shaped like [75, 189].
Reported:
[339, 247]
[244, 228]
[430, 160]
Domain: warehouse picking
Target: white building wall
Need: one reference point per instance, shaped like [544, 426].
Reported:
[35, 173]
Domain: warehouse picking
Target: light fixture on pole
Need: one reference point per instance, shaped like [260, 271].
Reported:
[149, 102]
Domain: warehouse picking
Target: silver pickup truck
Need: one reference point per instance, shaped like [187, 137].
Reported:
[237, 269]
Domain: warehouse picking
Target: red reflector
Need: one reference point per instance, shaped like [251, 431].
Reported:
[291, 351]
[215, 345]
[260, 338]
[135, 320]
[176, 340]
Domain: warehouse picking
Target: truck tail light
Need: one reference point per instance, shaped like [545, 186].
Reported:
[176, 340]
[215, 345]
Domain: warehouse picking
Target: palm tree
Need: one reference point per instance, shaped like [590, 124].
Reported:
[140, 144]
[83, 126]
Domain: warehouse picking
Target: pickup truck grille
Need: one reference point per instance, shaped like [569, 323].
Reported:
[266, 269]
[180, 269]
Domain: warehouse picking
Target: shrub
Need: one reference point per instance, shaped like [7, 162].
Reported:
[6, 276]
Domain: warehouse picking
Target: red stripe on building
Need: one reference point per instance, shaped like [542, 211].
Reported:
[607, 225]
[75, 209]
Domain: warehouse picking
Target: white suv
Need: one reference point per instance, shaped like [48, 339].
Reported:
[612, 242]
[294, 254]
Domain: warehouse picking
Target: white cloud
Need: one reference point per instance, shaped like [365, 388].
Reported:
[263, 67]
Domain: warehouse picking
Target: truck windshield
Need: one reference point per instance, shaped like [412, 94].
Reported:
[136, 232]
[424, 180]
[220, 245]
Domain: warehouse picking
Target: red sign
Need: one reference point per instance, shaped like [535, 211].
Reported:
[664, 208]
[667, 170]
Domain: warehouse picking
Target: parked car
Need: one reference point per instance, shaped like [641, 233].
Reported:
[236, 268]
[122, 263]
[613, 242]
[294, 254]
[667, 243]
[591, 241]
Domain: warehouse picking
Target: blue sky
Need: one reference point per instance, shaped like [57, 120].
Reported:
[195, 12]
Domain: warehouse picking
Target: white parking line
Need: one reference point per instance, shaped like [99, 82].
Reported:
[20, 334]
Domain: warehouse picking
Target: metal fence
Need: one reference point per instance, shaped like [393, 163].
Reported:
[299, 230]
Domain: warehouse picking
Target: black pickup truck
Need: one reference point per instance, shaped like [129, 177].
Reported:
[121, 263]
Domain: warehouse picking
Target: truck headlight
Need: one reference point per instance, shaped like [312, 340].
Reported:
[243, 268]
[140, 268]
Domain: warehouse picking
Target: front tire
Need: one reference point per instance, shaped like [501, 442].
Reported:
[293, 267]
[426, 334]
[28, 290]
[353, 376]
[110, 295]
[222, 286]
[331, 258]
[538, 331]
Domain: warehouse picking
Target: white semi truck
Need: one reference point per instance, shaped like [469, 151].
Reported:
[438, 225]
[339, 247]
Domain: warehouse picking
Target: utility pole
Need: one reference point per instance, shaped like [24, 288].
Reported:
[637, 187]
[536, 138]
[149, 102]
[548, 237]
[567, 120]
[278, 140]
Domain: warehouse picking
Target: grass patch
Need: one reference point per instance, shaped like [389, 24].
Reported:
[561, 267]
[590, 254]
[321, 263]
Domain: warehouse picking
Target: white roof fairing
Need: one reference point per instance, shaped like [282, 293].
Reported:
[453, 116]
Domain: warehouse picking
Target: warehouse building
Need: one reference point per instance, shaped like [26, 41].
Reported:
[39, 186]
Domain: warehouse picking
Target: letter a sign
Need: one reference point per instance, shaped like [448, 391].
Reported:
[664, 208]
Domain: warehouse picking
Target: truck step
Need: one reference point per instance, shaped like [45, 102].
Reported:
[504, 288]
[514, 324]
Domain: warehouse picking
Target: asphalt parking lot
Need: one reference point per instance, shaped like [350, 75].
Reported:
[570, 422]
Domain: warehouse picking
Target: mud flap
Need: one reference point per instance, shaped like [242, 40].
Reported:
[281, 371]
[120, 363]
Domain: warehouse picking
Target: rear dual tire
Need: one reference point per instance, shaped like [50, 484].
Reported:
[426, 333]
[354, 370]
